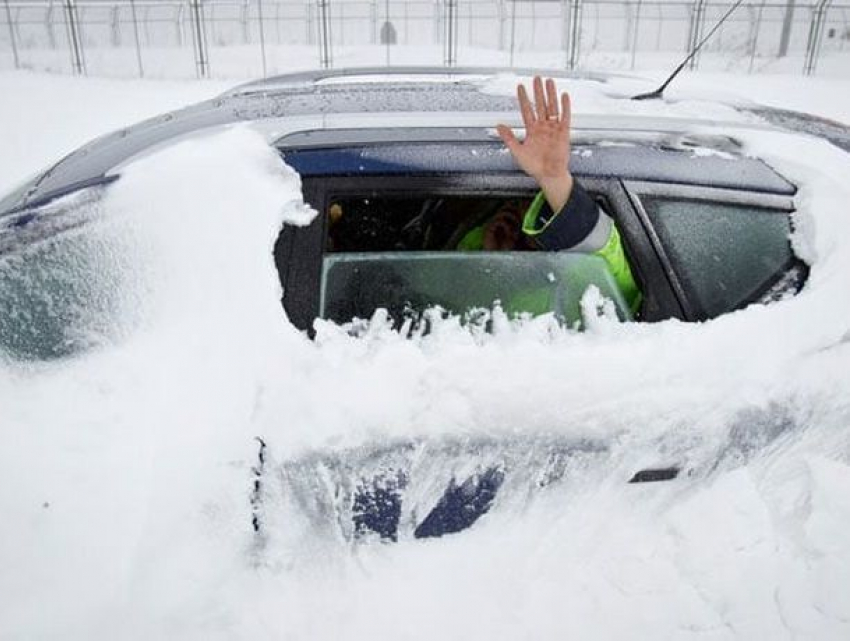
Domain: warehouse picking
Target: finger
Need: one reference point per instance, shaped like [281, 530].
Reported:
[566, 111]
[551, 99]
[525, 106]
[507, 136]
[539, 98]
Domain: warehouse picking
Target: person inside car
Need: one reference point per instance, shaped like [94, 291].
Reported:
[562, 215]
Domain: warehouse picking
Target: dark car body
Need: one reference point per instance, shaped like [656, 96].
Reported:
[705, 227]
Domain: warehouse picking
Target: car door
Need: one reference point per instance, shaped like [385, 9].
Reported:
[446, 170]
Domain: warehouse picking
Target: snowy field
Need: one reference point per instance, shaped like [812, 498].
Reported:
[125, 474]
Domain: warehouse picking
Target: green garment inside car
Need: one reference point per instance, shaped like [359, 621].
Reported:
[611, 252]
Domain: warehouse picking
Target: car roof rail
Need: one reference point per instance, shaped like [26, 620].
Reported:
[393, 73]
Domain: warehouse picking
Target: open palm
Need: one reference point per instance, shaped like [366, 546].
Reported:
[545, 153]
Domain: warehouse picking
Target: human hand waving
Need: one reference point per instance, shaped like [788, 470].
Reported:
[545, 153]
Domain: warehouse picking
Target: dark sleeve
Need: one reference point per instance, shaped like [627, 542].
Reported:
[554, 231]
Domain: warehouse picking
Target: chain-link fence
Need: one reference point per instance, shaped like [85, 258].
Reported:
[241, 38]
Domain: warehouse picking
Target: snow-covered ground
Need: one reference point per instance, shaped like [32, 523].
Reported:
[47, 116]
[125, 475]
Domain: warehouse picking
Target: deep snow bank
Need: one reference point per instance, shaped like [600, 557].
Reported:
[45, 116]
[126, 473]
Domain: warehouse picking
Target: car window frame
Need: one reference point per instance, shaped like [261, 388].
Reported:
[692, 309]
[299, 250]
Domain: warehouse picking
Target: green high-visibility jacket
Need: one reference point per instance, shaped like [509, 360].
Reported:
[579, 226]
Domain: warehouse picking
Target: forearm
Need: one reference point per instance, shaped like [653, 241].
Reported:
[557, 189]
[578, 218]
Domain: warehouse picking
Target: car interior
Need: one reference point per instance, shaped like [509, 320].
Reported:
[436, 223]
[458, 254]
[401, 243]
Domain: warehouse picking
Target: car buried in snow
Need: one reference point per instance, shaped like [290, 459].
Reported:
[399, 164]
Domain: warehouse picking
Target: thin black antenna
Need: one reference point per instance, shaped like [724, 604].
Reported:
[658, 93]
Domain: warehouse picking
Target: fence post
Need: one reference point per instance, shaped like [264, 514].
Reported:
[262, 36]
[502, 25]
[636, 33]
[406, 23]
[277, 21]
[48, 24]
[576, 16]
[179, 26]
[325, 57]
[695, 31]
[115, 25]
[565, 31]
[787, 23]
[513, 31]
[243, 21]
[12, 35]
[145, 21]
[74, 40]
[387, 44]
[754, 43]
[199, 38]
[815, 36]
[450, 33]
[470, 24]
[437, 4]
[532, 10]
[135, 18]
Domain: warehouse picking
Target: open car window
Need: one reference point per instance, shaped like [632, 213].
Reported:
[404, 283]
[437, 223]
[406, 255]
[444, 214]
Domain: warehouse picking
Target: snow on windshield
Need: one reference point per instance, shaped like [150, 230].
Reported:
[126, 472]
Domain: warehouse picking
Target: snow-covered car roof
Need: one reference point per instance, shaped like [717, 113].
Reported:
[406, 98]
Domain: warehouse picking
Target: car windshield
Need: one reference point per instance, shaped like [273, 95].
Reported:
[62, 279]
